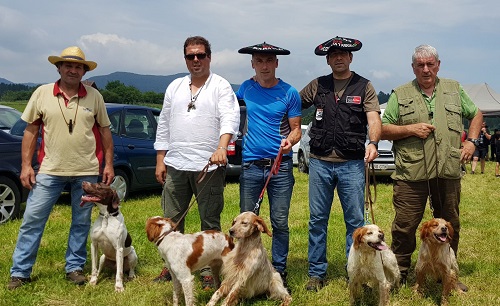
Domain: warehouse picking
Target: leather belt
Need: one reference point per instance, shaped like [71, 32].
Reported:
[268, 162]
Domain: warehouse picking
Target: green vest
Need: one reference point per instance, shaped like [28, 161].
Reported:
[419, 159]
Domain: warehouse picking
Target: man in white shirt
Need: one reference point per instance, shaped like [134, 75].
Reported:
[200, 116]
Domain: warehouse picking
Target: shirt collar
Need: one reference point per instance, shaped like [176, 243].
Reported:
[82, 92]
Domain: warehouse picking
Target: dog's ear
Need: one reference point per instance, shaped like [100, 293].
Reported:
[153, 230]
[261, 226]
[115, 202]
[357, 237]
[451, 231]
[425, 230]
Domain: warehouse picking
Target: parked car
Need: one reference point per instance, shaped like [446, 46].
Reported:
[383, 164]
[12, 193]
[296, 147]
[134, 131]
[8, 117]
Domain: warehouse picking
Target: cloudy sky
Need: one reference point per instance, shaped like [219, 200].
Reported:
[147, 36]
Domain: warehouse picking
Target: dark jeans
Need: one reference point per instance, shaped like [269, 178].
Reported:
[409, 200]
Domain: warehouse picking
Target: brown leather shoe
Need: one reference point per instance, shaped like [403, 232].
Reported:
[163, 277]
[77, 277]
[16, 282]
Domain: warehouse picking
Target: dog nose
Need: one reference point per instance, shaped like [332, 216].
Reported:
[443, 229]
[231, 232]
[381, 236]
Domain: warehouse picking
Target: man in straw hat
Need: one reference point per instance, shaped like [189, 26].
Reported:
[345, 104]
[200, 116]
[273, 112]
[74, 125]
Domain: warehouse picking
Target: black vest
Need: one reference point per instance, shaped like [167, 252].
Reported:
[342, 126]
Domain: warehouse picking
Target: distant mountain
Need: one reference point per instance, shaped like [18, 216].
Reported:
[155, 83]
[2, 80]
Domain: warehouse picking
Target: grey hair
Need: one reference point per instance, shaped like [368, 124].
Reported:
[424, 51]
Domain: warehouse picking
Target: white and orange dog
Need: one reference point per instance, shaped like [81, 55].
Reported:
[247, 270]
[371, 262]
[186, 253]
[436, 258]
[109, 234]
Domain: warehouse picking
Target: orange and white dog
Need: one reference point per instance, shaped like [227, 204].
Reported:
[436, 258]
[186, 253]
[371, 262]
[247, 270]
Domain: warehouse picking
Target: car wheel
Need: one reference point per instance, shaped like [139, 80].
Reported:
[302, 163]
[10, 199]
[121, 183]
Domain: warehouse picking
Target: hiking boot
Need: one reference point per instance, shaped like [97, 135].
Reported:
[462, 287]
[285, 284]
[77, 277]
[163, 277]
[16, 282]
[207, 282]
[315, 284]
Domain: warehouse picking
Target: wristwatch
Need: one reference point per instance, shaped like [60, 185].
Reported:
[375, 143]
[475, 141]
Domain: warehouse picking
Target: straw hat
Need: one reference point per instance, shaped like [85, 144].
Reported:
[72, 54]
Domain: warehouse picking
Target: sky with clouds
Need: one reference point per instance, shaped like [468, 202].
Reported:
[147, 36]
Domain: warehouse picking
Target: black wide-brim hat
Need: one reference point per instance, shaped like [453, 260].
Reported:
[264, 48]
[342, 43]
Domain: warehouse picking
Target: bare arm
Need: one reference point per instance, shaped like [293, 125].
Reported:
[28, 148]
[219, 157]
[474, 128]
[374, 131]
[161, 168]
[108, 173]
[395, 132]
[294, 135]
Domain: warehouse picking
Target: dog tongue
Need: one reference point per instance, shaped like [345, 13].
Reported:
[442, 238]
[381, 246]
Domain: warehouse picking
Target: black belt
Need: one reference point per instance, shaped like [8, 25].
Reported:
[268, 162]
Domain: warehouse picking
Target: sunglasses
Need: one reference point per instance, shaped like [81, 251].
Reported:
[191, 57]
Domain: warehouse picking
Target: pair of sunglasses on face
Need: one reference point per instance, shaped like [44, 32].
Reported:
[191, 57]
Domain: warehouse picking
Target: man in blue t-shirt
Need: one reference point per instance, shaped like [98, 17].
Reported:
[273, 113]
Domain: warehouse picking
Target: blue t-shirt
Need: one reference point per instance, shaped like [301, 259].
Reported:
[268, 111]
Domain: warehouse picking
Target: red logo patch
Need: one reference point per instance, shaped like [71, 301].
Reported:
[353, 99]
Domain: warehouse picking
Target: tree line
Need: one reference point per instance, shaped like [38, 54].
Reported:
[114, 92]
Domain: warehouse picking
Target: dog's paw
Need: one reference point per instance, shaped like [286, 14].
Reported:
[119, 289]
[93, 280]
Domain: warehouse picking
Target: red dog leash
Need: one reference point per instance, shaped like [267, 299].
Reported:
[274, 170]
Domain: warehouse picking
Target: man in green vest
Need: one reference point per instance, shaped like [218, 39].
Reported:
[424, 119]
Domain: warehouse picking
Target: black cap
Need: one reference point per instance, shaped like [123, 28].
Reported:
[342, 43]
[264, 48]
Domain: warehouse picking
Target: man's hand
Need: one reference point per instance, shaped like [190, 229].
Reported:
[421, 130]
[370, 153]
[219, 157]
[467, 151]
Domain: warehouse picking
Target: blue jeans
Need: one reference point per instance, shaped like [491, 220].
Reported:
[279, 192]
[41, 200]
[349, 179]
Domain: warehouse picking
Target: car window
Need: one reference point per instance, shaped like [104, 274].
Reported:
[137, 124]
[115, 122]
[8, 118]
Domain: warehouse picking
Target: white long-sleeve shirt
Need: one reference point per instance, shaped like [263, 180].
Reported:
[191, 138]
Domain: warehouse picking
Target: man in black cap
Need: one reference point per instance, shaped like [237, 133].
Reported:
[273, 112]
[345, 104]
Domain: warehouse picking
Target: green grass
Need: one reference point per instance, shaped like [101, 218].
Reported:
[478, 255]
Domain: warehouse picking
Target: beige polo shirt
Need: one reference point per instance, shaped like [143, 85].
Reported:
[63, 153]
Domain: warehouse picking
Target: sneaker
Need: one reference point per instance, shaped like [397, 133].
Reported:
[462, 287]
[207, 282]
[16, 282]
[315, 284]
[285, 283]
[77, 277]
[163, 277]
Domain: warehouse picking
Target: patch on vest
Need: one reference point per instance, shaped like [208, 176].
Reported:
[353, 99]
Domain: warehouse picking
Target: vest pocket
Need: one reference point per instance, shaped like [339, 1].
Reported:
[411, 162]
[454, 117]
[452, 164]
[406, 111]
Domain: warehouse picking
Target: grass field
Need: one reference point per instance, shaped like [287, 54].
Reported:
[479, 252]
